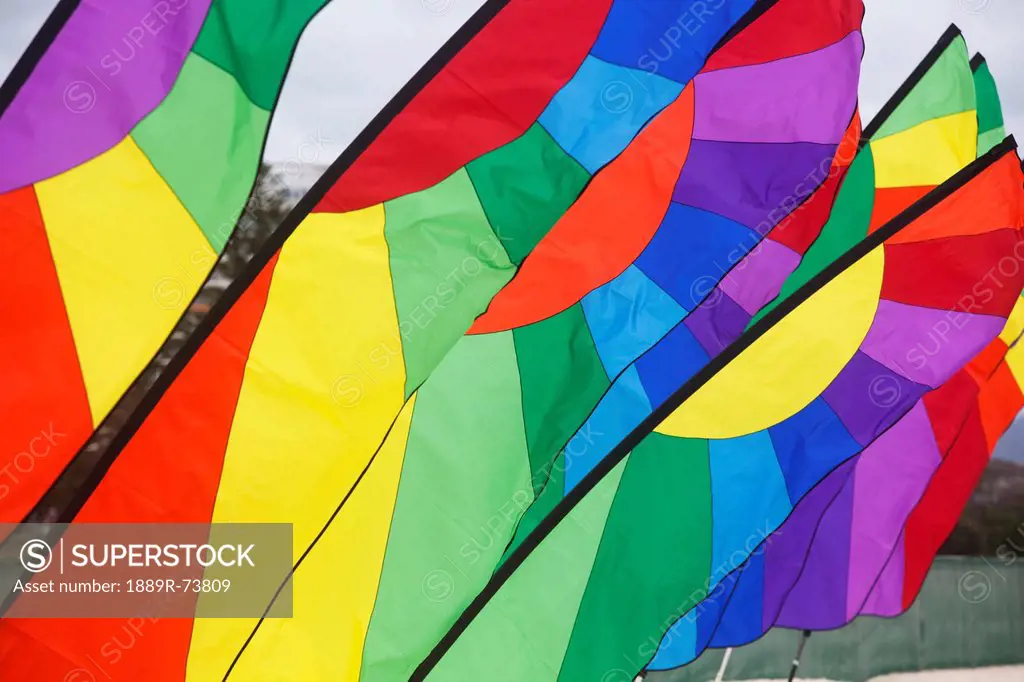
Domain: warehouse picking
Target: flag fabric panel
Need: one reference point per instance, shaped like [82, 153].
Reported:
[633, 548]
[777, 265]
[192, 124]
[990, 113]
[998, 401]
[853, 514]
[410, 274]
[132, 149]
[487, 391]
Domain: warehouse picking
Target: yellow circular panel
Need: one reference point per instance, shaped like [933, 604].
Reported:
[787, 368]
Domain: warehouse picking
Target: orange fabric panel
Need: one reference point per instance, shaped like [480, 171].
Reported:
[984, 363]
[891, 201]
[984, 200]
[604, 231]
[149, 483]
[39, 352]
[999, 402]
[170, 470]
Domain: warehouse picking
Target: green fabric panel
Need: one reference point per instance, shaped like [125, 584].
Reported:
[446, 265]
[847, 225]
[553, 481]
[205, 139]
[522, 633]
[947, 88]
[253, 40]
[458, 500]
[654, 562]
[562, 379]
[986, 141]
[990, 111]
[525, 187]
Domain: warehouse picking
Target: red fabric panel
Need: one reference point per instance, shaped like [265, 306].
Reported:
[169, 472]
[43, 402]
[935, 516]
[948, 407]
[799, 230]
[790, 28]
[488, 95]
[910, 275]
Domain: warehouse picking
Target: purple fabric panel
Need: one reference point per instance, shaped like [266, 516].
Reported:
[869, 397]
[807, 98]
[758, 278]
[717, 322]
[754, 184]
[819, 596]
[113, 63]
[892, 474]
[886, 598]
[788, 546]
[927, 345]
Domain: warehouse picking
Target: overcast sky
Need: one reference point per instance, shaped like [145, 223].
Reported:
[356, 55]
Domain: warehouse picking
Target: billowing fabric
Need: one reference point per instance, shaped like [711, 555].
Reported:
[817, 571]
[862, 541]
[517, 394]
[129, 154]
[990, 113]
[287, 403]
[638, 543]
[504, 392]
[468, 451]
[997, 391]
[778, 266]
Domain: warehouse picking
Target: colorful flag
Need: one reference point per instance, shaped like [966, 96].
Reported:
[754, 596]
[133, 146]
[472, 403]
[282, 408]
[997, 392]
[939, 138]
[517, 394]
[862, 540]
[592, 591]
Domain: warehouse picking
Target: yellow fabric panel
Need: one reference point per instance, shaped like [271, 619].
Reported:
[1015, 359]
[315, 400]
[787, 368]
[1014, 323]
[927, 154]
[336, 586]
[129, 259]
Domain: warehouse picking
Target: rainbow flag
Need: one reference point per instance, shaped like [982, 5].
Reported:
[593, 590]
[277, 384]
[997, 389]
[939, 138]
[517, 393]
[890, 543]
[133, 145]
[745, 603]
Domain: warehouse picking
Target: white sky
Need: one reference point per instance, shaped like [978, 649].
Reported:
[358, 53]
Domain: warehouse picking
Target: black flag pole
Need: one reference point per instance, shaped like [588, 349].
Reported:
[799, 652]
